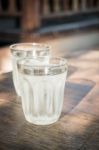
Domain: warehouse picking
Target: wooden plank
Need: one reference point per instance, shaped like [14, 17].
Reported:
[12, 6]
[45, 6]
[75, 5]
[91, 3]
[67, 13]
[0, 7]
[66, 5]
[98, 4]
[56, 6]
[93, 143]
[30, 15]
[83, 4]
[70, 132]
[10, 14]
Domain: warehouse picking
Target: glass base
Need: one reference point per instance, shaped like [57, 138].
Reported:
[42, 121]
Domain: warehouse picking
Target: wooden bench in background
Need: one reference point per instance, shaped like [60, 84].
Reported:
[31, 13]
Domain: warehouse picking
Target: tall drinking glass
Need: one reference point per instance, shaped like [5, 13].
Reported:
[26, 50]
[42, 85]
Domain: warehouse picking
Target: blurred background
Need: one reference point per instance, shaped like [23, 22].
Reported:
[65, 24]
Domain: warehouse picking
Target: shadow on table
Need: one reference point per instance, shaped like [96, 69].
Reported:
[73, 132]
[7, 87]
[75, 91]
[70, 132]
[7, 90]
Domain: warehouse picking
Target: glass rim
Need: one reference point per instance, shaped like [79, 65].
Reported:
[41, 46]
[52, 65]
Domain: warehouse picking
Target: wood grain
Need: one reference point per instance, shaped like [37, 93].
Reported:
[69, 133]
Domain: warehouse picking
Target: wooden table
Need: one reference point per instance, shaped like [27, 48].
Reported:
[77, 128]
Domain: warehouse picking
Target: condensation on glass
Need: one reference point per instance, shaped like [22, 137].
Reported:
[26, 50]
[42, 86]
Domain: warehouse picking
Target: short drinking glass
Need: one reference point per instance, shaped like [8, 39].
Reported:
[42, 85]
[26, 50]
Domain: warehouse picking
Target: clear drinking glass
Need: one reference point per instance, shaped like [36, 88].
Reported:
[42, 86]
[26, 50]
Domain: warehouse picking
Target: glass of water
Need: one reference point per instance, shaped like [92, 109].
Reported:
[26, 50]
[42, 85]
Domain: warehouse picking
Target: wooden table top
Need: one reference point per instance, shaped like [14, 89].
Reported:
[75, 130]
[78, 126]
